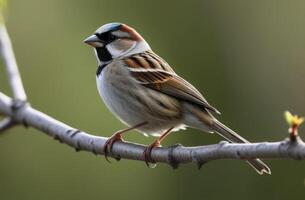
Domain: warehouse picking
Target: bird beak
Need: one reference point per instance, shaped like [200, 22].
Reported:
[93, 41]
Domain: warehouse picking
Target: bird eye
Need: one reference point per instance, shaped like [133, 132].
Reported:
[112, 37]
[106, 37]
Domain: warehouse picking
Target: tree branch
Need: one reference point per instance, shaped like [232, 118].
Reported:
[11, 65]
[18, 111]
[5, 124]
[171, 155]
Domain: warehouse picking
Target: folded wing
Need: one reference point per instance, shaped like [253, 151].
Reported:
[160, 77]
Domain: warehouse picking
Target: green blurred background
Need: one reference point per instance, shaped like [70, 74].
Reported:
[247, 57]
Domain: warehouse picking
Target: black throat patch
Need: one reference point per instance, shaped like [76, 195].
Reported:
[103, 54]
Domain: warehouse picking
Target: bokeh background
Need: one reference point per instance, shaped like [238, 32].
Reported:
[247, 57]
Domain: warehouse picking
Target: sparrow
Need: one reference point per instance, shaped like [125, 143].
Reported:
[144, 92]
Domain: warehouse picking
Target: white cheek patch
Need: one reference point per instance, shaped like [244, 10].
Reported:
[114, 51]
[138, 48]
[117, 50]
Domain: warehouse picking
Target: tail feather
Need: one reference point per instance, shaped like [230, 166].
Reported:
[259, 166]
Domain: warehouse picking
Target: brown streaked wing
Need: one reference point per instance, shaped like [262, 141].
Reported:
[170, 84]
[151, 76]
[141, 61]
[164, 65]
[132, 63]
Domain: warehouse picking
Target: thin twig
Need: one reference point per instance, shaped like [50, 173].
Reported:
[11, 65]
[5, 124]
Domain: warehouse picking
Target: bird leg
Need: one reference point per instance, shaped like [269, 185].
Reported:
[157, 143]
[117, 136]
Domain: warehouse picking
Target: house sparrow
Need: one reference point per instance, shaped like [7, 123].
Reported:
[144, 92]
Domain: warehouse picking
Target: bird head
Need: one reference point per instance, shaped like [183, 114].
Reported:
[116, 40]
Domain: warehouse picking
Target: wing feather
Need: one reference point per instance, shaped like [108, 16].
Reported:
[166, 82]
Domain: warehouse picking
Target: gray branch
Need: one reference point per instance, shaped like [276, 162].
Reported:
[5, 124]
[18, 111]
[11, 65]
[172, 155]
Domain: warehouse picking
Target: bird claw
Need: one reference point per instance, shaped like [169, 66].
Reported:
[147, 154]
[108, 145]
[117, 137]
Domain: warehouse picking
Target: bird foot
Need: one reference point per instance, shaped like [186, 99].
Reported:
[109, 143]
[147, 154]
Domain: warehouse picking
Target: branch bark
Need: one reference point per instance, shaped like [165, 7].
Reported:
[5, 124]
[11, 65]
[172, 155]
[18, 111]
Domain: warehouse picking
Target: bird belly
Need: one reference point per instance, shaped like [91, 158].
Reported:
[132, 104]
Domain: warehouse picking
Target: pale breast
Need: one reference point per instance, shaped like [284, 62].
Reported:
[134, 104]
